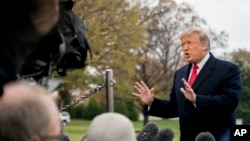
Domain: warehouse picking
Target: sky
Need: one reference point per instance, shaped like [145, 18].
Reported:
[231, 16]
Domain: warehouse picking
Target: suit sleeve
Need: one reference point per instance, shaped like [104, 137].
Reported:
[164, 108]
[227, 99]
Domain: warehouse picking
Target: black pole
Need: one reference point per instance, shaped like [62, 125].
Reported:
[109, 91]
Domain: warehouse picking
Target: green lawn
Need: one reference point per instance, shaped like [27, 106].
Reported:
[77, 128]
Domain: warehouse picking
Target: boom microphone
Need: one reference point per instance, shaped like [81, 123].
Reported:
[165, 135]
[148, 133]
[205, 136]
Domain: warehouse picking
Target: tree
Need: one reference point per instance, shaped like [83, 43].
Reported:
[136, 41]
[114, 34]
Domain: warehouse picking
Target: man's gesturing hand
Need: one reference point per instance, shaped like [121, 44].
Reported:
[145, 94]
[188, 91]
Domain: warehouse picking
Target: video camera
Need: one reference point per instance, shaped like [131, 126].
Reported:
[64, 48]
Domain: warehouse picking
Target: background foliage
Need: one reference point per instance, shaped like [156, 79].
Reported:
[242, 59]
[137, 41]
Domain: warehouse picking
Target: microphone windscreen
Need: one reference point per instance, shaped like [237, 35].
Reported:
[204, 136]
[148, 132]
[165, 135]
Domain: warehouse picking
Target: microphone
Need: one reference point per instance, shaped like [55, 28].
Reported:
[205, 136]
[148, 132]
[165, 135]
[65, 137]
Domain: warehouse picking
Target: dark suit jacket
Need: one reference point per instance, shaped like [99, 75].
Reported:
[218, 90]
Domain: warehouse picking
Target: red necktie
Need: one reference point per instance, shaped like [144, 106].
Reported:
[193, 75]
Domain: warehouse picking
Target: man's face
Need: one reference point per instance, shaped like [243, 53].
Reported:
[192, 48]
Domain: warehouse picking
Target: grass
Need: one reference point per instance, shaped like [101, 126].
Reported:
[77, 128]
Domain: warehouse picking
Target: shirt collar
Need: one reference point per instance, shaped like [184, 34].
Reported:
[203, 61]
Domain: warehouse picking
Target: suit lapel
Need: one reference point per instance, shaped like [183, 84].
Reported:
[205, 72]
[186, 71]
[183, 74]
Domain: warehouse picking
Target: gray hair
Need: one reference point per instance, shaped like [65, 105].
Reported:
[28, 117]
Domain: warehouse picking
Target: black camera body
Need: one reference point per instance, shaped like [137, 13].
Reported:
[64, 48]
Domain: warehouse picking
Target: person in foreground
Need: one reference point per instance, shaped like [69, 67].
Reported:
[205, 92]
[21, 31]
[28, 113]
[110, 127]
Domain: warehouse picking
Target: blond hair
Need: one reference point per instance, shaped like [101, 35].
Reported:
[202, 35]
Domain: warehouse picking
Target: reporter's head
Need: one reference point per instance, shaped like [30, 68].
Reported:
[29, 113]
[111, 127]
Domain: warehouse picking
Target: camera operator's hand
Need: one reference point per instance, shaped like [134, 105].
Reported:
[45, 15]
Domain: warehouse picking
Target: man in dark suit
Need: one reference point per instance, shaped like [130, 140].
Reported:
[206, 104]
